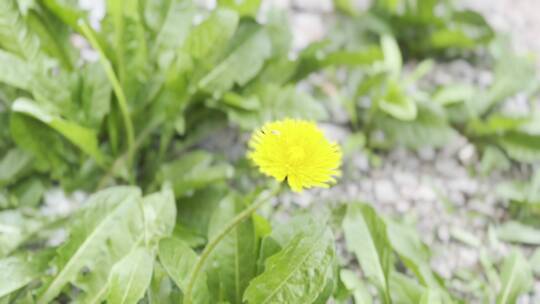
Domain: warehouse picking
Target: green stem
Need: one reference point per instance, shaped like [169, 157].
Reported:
[217, 239]
[118, 91]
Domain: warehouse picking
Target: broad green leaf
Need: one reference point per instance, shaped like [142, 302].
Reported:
[162, 289]
[243, 7]
[130, 277]
[15, 36]
[233, 261]
[193, 171]
[535, 262]
[431, 297]
[178, 260]
[16, 272]
[353, 283]
[404, 289]
[397, 104]
[159, 219]
[110, 222]
[16, 227]
[518, 233]
[296, 274]
[84, 138]
[159, 216]
[174, 31]
[15, 72]
[521, 146]
[275, 102]
[453, 94]
[211, 35]
[366, 237]
[392, 55]
[414, 253]
[251, 47]
[516, 277]
[95, 95]
[430, 128]
[13, 165]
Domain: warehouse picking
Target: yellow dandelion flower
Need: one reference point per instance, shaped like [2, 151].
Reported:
[296, 150]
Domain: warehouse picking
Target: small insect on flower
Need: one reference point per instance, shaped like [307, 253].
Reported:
[298, 151]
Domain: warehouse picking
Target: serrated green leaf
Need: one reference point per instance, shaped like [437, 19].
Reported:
[112, 217]
[15, 36]
[353, 283]
[243, 7]
[15, 72]
[516, 278]
[297, 273]
[178, 260]
[518, 233]
[366, 237]
[130, 277]
[212, 34]
[16, 272]
[252, 47]
[521, 146]
[397, 104]
[84, 138]
[13, 165]
[233, 261]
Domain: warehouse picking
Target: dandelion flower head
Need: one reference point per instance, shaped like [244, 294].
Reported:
[296, 150]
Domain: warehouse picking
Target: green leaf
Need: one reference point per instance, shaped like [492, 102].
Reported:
[193, 171]
[353, 283]
[296, 274]
[174, 30]
[159, 216]
[243, 7]
[212, 35]
[178, 260]
[130, 277]
[95, 95]
[521, 146]
[392, 55]
[14, 164]
[109, 223]
[431, 297]
[272, 102]
[430, 128]
[397, 104]
[16, 227]
[518, 233]
[84, 138]
[404, 289]
[366, 237]
[516, 277]
[251, 47]
[455, 93]
[414, 253]
[16, 272]
[15, 72]
[15, 36]
[233, 261]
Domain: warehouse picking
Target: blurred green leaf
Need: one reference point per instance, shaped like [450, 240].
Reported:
[233, 261]
[130, 277]
[518, 233]
[178, 260]
[366, 237]
[396, 103]
[296, 274]
[109, 224]
[516, 278]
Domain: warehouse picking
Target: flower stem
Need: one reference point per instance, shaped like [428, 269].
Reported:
[218, 238]
[118, 91]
